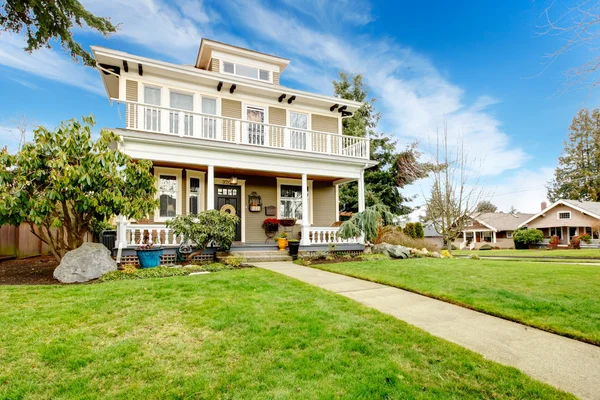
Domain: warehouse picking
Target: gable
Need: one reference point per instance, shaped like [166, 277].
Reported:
[555, 215]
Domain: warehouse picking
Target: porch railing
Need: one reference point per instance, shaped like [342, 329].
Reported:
[170, 121]
[328, 235]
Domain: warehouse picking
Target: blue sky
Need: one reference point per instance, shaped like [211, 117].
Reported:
[476, 66]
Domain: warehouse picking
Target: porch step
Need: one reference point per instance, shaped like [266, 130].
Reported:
[255, 256]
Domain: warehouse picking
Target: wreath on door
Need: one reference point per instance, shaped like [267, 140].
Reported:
[229, 209]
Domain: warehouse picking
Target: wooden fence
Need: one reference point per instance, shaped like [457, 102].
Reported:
[18, 241]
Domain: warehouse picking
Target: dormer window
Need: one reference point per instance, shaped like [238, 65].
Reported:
[246, 71]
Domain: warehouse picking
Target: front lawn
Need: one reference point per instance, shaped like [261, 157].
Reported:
[237, 334]
[542, 253]
[559, 298]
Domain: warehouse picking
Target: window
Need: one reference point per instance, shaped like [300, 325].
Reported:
[509, 234]
[290, 202]
[556, 232]
[487, 236]
[564, 215]
[151, 114]
[298, 138]
[209, 124]
[246, 71]
[194, 196]
[469, 222]
[256, 129]
[167, 194]
[185, 102]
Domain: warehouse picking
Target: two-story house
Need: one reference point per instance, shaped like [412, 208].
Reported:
[223, 133]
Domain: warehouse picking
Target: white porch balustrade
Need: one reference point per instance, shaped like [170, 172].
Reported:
[196, 125]
[328, 235]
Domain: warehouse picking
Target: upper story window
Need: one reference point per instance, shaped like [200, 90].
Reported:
[151, 114]
[185, 121]
[246, 71]
[564, 215]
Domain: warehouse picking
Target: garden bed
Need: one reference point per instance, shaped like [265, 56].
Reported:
[28, 271]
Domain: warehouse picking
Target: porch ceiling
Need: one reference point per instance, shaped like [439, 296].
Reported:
[220, 171]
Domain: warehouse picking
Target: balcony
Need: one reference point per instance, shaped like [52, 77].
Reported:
[169, 121]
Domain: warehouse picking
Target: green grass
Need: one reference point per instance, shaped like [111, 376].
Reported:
[559, 298]
[244, 334]
[558, 253]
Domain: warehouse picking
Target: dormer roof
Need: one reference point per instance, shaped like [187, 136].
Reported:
[212, 49]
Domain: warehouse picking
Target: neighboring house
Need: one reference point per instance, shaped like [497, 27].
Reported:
[224, 132]
[566, 219]
[432, 236]
[495, 229]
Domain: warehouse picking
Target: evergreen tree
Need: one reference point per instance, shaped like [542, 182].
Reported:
[486, 206]
[395, 169]
[577, 176]
[419, 231]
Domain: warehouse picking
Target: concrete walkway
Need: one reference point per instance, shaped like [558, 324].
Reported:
[564, 363]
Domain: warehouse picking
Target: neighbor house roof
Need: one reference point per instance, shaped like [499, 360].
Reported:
[591, 208]
[430, 231]
[500, 221]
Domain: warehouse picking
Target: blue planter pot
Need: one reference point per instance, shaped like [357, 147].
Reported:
[149, 258]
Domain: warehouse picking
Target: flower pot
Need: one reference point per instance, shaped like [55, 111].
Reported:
[294, 246]
[149, 258]
[282, 243]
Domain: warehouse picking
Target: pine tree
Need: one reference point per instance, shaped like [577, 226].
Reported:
[395, 169]
[577, 176]
[486, 206]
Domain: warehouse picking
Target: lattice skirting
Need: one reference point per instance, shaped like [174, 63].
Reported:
[309, 253]
[168, 259]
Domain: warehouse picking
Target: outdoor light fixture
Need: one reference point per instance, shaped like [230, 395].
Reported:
[233, 179]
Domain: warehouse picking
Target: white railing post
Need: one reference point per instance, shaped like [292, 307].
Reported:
[286, 138]
[238, 135]
[305, 212]
[180, 123]
[210, 188]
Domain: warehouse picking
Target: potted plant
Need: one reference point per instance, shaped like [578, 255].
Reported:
[270, 225]
[294, 246]
[148, 255]
[282, 241]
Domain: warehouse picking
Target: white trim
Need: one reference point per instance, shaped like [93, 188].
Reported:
[562, 212]
[242, 184]
[190, 173]
[509, 234]
[557, 203]
[245, 63]
[484, 224]
[296, 182]
[158, 171]
[337, 202]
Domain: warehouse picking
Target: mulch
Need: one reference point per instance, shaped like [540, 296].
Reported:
[28, 271]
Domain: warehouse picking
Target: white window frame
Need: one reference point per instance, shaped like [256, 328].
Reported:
[177, 110]
[562, 212]
[296, 182]
[158, 171]
[556, 229]
[235, 64]
[202, 196]
[469, 223]
[509, 234]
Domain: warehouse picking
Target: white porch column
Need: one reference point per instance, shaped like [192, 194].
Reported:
[361, 191]
[494, 236]
[305, 212]
[210, 188]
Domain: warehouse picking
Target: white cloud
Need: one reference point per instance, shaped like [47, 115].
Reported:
[356, 12]
[48, 64]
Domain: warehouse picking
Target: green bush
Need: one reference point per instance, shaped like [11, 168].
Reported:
[474, 256]
[444, 247]
[524, 238]
[486, 247]
[161, 272]
[372, 257]
[419, 231]
[586, 238]
[206, 227]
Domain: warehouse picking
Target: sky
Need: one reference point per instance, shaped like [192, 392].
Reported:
[478, 68]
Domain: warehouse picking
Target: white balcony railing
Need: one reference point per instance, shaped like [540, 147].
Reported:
[182, 123]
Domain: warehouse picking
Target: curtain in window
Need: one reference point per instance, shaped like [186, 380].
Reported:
[209, 125]
[151, 115]
[256, 129]
[291, 202]
[194, 196]
[182, 102]
[298, 138]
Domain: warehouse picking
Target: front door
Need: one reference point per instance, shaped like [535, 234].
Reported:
[229, 199]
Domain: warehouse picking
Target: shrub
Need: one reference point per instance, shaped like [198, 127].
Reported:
[373, 257]
[419, 231]
[234, 261]
[525, 238]
[586, 238]
[302, 261]
[474, 256]
[162, 272]
[204, 228]
[486, 247]
[444, 247]
[446, 254]
[395, 235]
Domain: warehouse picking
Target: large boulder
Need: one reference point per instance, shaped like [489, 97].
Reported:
[394, 251]
[90, 261]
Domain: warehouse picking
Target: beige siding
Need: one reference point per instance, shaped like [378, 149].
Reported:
[266, 188]
[275, 78]
[551, 219]
[323, 204]
[214, 65]
[131, 94]
[277, 116]
[231, 109]
[324, 124]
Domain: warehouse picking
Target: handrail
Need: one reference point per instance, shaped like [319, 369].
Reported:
[181, 122]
